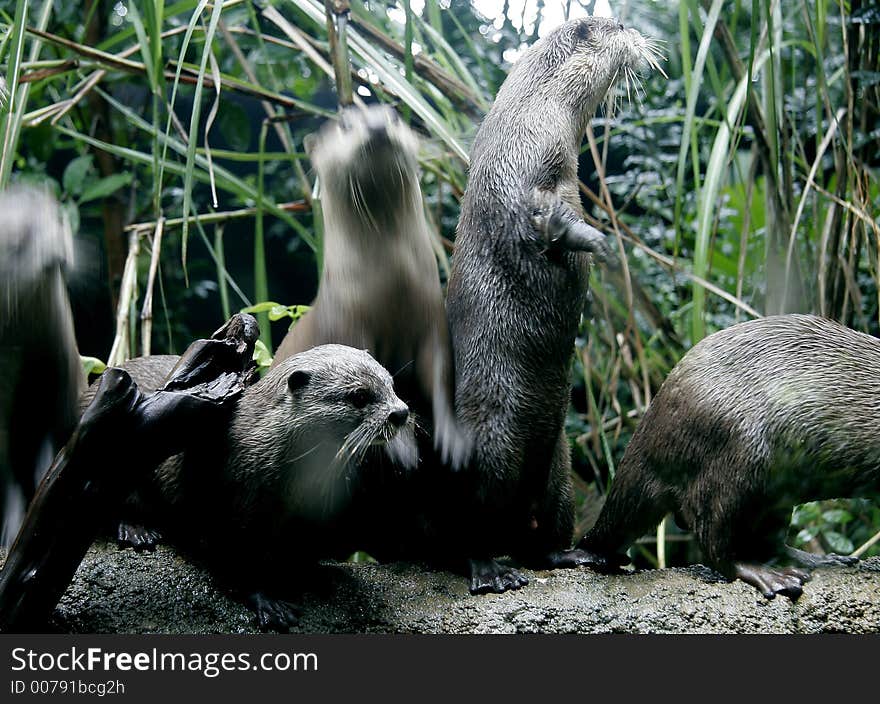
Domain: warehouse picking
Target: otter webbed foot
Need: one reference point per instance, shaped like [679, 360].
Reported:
[598, 560]
[770, 581]
[272, 614]
[491, 577]
[560, 227]
[811, 560]
[137, 536]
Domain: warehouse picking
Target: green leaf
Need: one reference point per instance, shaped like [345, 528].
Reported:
[261, 354]
[837, 515]
[838, 543]
[263, 307]
[105, 186]
[75, 174]
[92, 365]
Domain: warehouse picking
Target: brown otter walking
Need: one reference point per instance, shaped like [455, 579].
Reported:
[753, 420]
[380, 286]
[518, 286]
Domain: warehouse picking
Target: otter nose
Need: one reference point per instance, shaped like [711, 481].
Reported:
[399, 416]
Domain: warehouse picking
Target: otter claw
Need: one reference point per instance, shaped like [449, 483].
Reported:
[137, 536]
[596, 560]
[489, 576]
[273, 614]
[561, 227]
[788, 581]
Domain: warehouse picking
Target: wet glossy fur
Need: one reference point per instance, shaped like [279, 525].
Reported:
[753, 420]
[513, 303]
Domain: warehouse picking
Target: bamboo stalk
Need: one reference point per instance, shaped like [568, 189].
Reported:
[120, 351]
[147, 310]
[337, 23]
[297, 206]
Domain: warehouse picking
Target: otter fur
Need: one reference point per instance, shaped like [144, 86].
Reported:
[753, 420]
[380, 286]
[517, 290]
[279, 482]
[42, 376]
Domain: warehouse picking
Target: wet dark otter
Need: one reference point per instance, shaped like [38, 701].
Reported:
[42, 376]
[380, 286]
[280, 478]
[286, 475]
[753, 420]
[518, 286]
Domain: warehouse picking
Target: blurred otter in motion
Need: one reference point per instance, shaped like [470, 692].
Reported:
[41, 373]
[380, 286]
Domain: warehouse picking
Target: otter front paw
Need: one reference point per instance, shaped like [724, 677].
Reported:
[586, 556]
[491, 577]
[272, 614]
[787, 581]
[137, 536]
[559, 226]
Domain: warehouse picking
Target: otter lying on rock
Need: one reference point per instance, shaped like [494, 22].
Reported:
[519, 283]
[272, 496]
[753, 420]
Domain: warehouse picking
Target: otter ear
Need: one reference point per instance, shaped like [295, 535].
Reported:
[309, 142]
[298, 380]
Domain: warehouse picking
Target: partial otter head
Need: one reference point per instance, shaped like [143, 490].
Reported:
[302, 431]
[576, 64]
[36, 248]
[368, 158]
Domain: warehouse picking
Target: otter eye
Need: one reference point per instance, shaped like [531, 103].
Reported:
[360, 398]
[582, 31]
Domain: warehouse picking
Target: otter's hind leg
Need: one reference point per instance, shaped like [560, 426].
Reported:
[550, 528]
[637, 502]
[741, 529]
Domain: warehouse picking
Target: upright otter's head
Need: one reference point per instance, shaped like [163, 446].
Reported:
[368, 160]
[306, 426]
[576, 64]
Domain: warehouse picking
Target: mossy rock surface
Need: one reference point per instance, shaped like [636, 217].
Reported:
[124, 591]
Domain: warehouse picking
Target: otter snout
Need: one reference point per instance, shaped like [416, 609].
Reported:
[399, 416]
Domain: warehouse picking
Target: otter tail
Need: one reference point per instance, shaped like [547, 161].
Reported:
[40, 372]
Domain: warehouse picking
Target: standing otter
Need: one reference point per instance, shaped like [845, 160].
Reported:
[753, 420]
[42, 376]
[380, 287]
[518, 286]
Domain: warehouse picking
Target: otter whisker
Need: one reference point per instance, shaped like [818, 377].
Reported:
[408, 364]
[306, 453]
